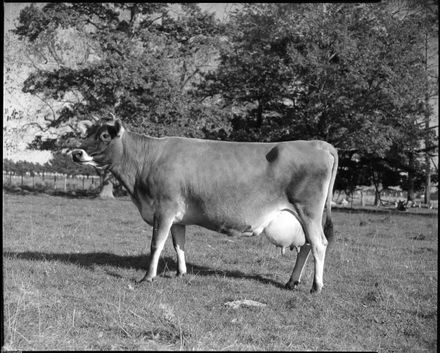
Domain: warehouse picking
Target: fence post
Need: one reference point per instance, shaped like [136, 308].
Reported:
[65, 182]
[55, 181]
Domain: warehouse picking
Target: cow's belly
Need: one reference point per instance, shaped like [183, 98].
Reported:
[276, 221]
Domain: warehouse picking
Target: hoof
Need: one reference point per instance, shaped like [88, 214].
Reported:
[144, 279]
[292, 285]
[180, 275]
[316, 289]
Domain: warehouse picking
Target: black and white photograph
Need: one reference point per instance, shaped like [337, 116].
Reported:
[220, 176]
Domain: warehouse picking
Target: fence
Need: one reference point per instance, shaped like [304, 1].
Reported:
[53, 181]
[389, 198]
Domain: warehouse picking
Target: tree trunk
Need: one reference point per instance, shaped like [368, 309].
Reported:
[410, 196]
[410, 187]
[427, 139]
[106, 186]
[427, 159]
[428, 180]
[260, 114]
[378, 190]
[376, 198]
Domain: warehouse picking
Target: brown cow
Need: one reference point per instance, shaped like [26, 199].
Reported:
[237, 188]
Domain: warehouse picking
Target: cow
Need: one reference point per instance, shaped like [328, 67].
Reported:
[280, 189]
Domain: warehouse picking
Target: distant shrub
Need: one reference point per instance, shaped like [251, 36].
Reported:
[40, 186]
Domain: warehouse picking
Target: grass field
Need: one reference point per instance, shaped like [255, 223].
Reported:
[69, 265]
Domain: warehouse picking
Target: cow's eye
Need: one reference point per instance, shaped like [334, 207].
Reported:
[105, 136]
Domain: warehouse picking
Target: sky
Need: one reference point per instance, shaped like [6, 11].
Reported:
[11, 12]
[220, 9]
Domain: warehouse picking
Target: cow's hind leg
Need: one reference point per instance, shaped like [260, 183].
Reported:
[301, 260]
[318, 244]
[178, 235]
[161, 229]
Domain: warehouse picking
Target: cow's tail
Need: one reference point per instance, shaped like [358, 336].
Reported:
[328, 225]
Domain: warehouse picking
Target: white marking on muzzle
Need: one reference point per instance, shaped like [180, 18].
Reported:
[83, 158]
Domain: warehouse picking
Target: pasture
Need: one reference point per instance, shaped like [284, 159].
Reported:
[69, 265]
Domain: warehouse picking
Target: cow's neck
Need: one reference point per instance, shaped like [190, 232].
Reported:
[138, 153]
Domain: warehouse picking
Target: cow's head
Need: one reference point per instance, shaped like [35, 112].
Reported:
[102, 143]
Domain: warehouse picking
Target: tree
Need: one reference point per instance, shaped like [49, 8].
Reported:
[254, 72]
[421, 19]
[350, 74]
[136, 60]
[429, 26]
[131, 65]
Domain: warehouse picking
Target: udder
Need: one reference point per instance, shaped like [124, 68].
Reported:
[285, 230]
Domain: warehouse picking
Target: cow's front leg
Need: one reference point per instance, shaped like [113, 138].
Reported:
[178, 234]
[161, 229]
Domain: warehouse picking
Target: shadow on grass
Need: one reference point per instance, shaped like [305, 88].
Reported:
[138, 262]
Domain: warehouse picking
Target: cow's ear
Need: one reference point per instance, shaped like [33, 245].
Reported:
[119, 128]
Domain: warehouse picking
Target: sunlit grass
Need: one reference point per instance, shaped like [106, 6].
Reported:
[69, 266]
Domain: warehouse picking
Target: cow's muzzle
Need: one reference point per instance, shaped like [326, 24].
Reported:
[81, 156]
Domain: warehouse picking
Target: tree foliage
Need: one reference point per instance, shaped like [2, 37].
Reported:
[139, 62]
[355, 75]
[350, 74]
[339, 72]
